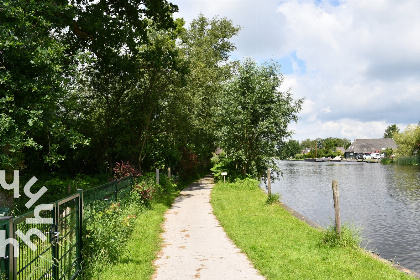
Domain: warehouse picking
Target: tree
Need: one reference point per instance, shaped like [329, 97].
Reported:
[326, 147]
[391, 130]
[408, 142]
[33, 81]
[254, 116]
[307, 143]
[79, 71]
[291, 148]
[127, 56]
[182, 130]
[206, 46]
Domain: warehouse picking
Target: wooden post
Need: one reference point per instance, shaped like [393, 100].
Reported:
[336, 197]
[169, 172]
[224, 176]
[157, 176]
[269, 181]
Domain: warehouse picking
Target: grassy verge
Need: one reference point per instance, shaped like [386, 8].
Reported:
[283, 247]
[143, 245]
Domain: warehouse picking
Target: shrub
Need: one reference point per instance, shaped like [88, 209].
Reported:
[143, 193]
[223, 164]
[124, 169]
[191, 165]
[166, 184]
[300, 156]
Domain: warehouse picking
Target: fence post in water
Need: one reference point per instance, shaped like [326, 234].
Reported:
[269, 181]
[157, 176]
[336, 197]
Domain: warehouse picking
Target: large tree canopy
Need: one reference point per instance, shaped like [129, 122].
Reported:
[33, 64]
[254, 116]
[97, 51]
[86, 83]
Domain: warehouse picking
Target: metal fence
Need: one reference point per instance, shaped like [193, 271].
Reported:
[60, 255]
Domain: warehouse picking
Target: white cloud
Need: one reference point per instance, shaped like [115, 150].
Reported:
[361, 58]
[343, 128]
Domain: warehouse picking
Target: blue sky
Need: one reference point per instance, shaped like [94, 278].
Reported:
[356, 62]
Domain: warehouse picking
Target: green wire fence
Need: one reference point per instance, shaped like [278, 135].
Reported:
[59, 256]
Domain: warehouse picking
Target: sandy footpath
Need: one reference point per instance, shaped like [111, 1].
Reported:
[195, 245]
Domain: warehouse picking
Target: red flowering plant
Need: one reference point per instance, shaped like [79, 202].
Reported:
[144, 193]
[123, 169]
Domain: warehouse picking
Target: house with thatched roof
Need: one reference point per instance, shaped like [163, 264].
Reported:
[368, 146]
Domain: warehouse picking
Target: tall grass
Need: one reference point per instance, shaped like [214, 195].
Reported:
[350, 236]
[408, 160]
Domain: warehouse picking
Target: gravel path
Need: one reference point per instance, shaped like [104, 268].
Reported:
[195, 245]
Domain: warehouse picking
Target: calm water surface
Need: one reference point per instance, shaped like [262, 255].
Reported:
[383, 200]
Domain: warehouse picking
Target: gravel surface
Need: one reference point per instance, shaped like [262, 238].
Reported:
[195, 246]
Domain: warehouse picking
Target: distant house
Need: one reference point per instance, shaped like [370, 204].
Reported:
[367, 146]
[306, 150]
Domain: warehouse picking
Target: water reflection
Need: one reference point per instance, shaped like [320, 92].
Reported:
[384, 200]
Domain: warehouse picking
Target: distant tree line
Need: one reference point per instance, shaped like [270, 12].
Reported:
[311, 148]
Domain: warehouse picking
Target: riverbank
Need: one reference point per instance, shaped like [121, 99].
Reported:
[283, 247]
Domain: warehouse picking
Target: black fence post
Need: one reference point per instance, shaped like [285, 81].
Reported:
[116, 189]
[12, 263]
[54, 242]
[79, 232]
[7, 264]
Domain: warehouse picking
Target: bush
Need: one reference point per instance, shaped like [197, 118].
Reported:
[143, 194]
[124, 169]
[387, 160]
[166, 184]
[300, 156]
[221, 164]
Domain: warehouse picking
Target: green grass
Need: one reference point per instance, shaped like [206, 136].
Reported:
[143, 245]
[282, 247]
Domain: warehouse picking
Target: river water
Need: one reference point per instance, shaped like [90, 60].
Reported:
[382, 200]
